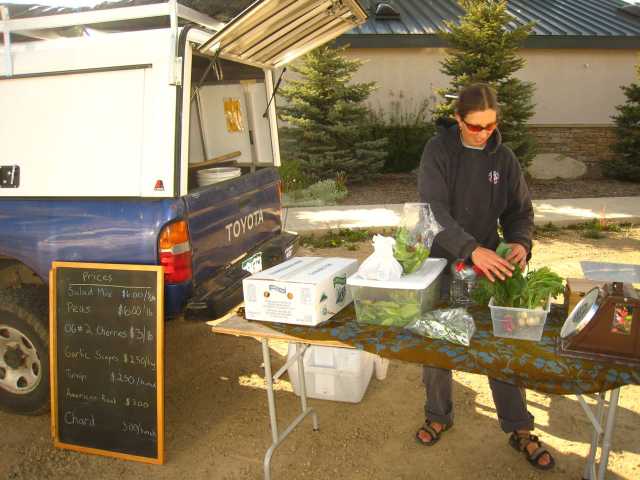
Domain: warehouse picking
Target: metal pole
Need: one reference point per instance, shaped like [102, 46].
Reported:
[266, 356]
[4, 15]
[270, 395]
[303, 387]
[174, 62]
[596, 421]
[608, 432]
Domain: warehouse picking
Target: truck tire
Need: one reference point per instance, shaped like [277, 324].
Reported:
[24, 350]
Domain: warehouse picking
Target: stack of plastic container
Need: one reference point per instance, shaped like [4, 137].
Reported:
[341, 374]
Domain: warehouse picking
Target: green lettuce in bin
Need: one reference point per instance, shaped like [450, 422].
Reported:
[410, 254]
[528, 290]
[401, 309]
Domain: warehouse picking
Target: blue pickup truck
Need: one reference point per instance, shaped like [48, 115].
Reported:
[153, 141]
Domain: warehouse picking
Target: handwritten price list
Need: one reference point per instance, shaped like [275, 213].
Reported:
[107, 378]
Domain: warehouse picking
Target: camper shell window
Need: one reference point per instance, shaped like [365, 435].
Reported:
[227, 125]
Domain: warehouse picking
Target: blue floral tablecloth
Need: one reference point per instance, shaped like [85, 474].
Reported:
[534, 365]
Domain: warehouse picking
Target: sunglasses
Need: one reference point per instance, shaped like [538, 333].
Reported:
[479, 128]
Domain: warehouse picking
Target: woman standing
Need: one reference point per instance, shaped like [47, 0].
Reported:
[472, 181]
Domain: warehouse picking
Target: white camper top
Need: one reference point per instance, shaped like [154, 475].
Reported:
[104, 114]
[268, 34]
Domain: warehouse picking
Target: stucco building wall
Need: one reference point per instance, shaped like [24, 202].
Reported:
[576, 92]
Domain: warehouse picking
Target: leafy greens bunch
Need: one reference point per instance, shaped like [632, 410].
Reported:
[530, 290]
[409, 253]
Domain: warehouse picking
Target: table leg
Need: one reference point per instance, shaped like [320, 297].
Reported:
[608, 432]
[303, 388]
[600, 432]
[269, 378]
[590, 467]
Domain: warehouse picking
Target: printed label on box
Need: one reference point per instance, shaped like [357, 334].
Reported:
[278, 310]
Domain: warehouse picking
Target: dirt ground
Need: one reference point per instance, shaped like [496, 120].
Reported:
[217, 424]
[401, 188]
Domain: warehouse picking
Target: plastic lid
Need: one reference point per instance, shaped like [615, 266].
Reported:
[418, 280]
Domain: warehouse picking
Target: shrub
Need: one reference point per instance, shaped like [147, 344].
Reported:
[407, 127]
[484, 47]
[292, 175]
[626, 165]
[324, 192]
[327, 129]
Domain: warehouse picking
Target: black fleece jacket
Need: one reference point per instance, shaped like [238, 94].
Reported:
[471, 190]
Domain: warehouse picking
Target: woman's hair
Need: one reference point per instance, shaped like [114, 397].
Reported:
[475, 98]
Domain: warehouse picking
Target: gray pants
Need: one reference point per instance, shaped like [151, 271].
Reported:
[510, 401]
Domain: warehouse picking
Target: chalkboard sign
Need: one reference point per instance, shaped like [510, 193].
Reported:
[107, 349]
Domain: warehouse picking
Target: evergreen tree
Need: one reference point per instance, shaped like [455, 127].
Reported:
[485, 49]
[626, 166]
[327, 129]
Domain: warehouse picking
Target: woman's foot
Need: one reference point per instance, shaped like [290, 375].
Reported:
[429, 433]
[531, 446]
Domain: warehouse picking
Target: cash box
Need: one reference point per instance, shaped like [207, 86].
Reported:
[301, 291]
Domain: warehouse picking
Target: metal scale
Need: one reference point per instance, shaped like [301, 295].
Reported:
[604, 326]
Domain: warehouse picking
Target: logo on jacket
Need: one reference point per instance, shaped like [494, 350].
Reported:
[494, 177]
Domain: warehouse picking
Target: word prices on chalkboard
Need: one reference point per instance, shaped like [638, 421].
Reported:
[107, 351]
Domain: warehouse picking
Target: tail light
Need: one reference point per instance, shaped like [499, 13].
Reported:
[175, 252]
[280, 189]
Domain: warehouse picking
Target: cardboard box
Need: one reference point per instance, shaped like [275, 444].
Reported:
[576, 288]
[302, 290]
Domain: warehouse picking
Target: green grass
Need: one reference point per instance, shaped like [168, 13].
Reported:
[594, 229]
[601, 226]
[547, 230]
[339, 238]
[592, 233]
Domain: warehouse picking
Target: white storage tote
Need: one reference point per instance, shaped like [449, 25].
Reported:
[340, 374]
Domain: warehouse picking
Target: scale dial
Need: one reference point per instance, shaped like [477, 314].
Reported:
[582, 314]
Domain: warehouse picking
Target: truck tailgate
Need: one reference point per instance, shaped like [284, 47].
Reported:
[228, 219]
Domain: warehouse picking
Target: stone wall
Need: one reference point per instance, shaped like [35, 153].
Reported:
[587, 144]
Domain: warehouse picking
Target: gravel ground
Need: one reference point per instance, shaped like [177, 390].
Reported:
[402, 187]
[217, 421]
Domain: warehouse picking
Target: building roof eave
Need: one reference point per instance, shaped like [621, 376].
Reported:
[533, 41]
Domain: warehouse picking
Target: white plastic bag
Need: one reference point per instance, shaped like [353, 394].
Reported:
[381, 264]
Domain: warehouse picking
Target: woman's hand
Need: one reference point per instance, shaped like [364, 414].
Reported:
[518, 255]
[491, 263]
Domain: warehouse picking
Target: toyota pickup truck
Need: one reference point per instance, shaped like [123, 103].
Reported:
[142, 134]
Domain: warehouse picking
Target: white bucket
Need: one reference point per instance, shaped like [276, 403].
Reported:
[210, 176]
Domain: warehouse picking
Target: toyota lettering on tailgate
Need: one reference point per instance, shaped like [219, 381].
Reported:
[244, 224]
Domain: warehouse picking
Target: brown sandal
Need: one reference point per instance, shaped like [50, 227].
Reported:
[520, 441]
[435, 434]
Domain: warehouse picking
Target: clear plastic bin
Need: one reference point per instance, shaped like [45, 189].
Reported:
[518, 323]
[331, 373]
[397, 302]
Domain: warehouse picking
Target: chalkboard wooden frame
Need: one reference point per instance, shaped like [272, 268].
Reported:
[53, 348]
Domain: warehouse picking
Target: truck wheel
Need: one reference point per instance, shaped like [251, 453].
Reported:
[24, 350]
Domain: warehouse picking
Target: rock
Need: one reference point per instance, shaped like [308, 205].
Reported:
[555, 165]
